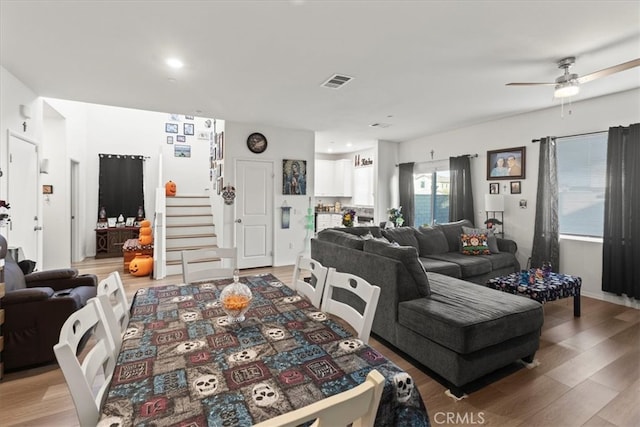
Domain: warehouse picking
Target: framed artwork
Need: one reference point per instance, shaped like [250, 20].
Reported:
[494, 188]
[182, 150]
[188, 117]
[181, 138]
[171, 127]
[294, 177]
[506, 164]
[130, 221]
[188, 129]
[169, 139]
[112, 221]
[515, 187]
[47, 189]
[101, 225]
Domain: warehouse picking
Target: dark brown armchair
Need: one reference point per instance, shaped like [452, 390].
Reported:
[35, 307]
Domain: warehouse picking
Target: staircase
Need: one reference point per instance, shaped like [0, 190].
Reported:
[189, 225]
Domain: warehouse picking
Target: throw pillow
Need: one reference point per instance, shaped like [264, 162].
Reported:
[404, 236]
[492, 240]
[474, 244]
[431, 241]
[408, 255]
[341, 238]
[452, 231]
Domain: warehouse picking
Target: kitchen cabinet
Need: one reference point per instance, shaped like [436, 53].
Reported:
[333, 178]
[363, 186]
[328, 220]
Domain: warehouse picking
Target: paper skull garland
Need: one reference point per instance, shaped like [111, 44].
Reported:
[404, 386]
[243, 356]
[264, 395]
[206, 385]
[275, 333]
[228, 194]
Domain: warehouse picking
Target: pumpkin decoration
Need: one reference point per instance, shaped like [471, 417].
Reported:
[141, 265]
[170, 188]
[145, 236]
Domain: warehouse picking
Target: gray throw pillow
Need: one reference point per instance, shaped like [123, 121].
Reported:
[404, 236]
[341, 238]
[452, 231]
[431, 241]
[492, 241]
[408, 255]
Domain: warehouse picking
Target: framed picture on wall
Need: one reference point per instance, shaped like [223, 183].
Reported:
[188, 129]
[494, 188]
[515, 187]
[506, 164]
[181, 138]
[171, 127]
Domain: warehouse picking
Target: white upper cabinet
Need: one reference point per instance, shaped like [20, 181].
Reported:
[363, 186]
[333, 178]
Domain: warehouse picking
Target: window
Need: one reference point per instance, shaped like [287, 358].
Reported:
[431, 189]
[582, 164]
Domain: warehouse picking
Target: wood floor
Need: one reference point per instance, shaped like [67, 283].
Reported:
[589, 373]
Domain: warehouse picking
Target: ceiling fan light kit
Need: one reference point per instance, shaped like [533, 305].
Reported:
[564, 90]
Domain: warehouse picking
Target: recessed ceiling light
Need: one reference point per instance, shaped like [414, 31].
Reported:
[349, 144]
[174, 63]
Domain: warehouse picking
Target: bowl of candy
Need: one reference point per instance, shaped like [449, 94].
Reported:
[235, 299]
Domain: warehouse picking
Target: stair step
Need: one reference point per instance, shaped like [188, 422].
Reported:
[174, 215]
[188, 236]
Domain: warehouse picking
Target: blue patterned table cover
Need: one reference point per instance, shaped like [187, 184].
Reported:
[553, 287]
[182, 364]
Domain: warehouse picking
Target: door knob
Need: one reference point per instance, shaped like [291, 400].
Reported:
[37, 228]
[239, 220]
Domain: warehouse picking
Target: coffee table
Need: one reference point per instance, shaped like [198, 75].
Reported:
[550, 288]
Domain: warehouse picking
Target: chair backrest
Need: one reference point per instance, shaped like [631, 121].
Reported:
[366, 292]
[307, 267]
[114, 302]
[87, 375]
[358, 405]
[197, 264]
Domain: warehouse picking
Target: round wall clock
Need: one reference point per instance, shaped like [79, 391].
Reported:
[257, 143]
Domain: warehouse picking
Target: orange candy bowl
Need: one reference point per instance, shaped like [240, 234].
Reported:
[235, 300]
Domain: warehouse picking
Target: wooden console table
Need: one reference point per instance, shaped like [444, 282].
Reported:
[109, 241]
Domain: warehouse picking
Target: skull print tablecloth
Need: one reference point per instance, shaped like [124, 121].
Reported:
[182, 363]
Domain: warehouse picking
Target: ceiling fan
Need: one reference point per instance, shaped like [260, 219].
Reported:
[568, 84]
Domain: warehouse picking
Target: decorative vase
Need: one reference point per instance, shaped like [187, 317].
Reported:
[235, 299]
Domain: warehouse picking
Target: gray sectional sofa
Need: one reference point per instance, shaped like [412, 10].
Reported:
[458, 329]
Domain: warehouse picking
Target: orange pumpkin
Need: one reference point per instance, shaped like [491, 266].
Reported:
[141, 265]
[170, 188]
[145, 223]
[145, 231]
[145, 240]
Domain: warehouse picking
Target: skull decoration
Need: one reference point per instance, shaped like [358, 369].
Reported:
[275, 333]
[276, 284]
[189, 346]
[350, 345]
[207, 286]
[294, 298]
[222, 321]
[181, 298]
[264, 395]
[130, 333]
[404, 386]
[318, 316]
[111, 422]
[206, 385]
[243, 356]
[141, 291]
[213, 304]
[189, 316]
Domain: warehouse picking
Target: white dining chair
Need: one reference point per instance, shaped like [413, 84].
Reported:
[89, 373]
[358, 406]
[368, 293]
[315, 272]
[205, 264]
[115, 305]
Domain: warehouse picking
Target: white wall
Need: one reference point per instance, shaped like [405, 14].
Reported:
[282, 144]
[587, 116]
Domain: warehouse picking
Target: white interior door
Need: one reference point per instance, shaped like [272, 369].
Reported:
[22, 195]
[254, 213]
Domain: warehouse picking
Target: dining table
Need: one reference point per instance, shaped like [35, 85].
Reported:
[184, 363]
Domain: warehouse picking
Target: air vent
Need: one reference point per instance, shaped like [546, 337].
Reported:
[337, 81]
[379, 125]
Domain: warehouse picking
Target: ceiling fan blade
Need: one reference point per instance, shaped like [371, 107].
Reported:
[610, 70]
[530, 84]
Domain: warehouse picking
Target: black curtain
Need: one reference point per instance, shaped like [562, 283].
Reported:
[461, 193]
[407, 196]
[621, 239]
[121, 185]
[546, 234]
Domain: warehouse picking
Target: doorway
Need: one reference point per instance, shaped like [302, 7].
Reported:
[254, 213]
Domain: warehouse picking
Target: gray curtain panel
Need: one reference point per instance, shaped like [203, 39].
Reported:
[461, 193]
[407, 196]
[546, 245]
[621, 239]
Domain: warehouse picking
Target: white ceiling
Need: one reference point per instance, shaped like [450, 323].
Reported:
[422, 67]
